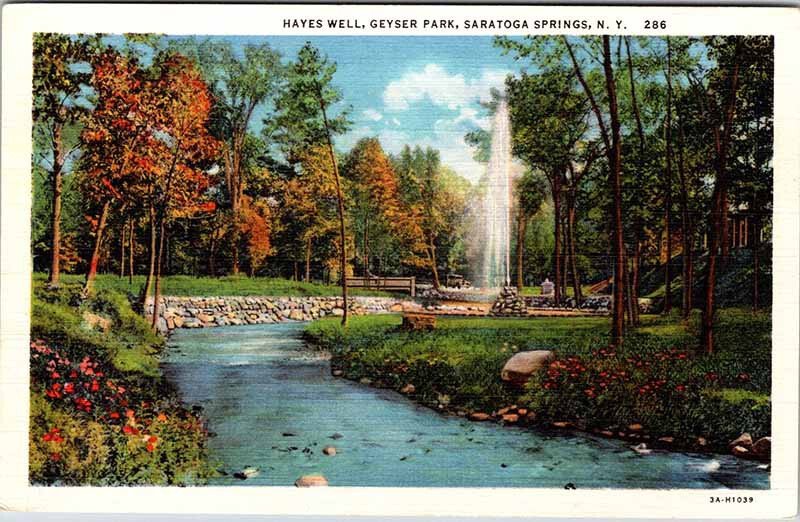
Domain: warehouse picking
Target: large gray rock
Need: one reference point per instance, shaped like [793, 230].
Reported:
[519, 368]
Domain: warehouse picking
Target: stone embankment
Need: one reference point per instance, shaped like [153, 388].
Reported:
[205, 312]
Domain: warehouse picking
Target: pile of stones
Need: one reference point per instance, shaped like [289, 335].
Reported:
[509, 304]
[204, 312]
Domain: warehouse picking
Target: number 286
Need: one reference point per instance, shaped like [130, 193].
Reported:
[655, 24]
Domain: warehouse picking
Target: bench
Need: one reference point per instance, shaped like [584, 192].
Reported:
[403, 284]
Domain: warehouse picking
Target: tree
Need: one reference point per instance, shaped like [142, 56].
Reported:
[303, 117]
[531, 190]
[185, 144]
[117, 139]
[549, 119]
[719, 111]
[374, 193]
[57, 91]
[239, 83]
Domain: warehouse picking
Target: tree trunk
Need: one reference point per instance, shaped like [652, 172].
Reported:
[756, 242]
[564, 256]
[615, 182]
[308, 259]
[235, 249]
[151, 266]
[131, 245]
[573, 261]
[668, 186]
[627, 289]
[432, 257]
[522, 224]
[556, 190]
[687, 229]
[635, 261]
[718, 227]
[366, 250]
[122, 242]
[340, 205]
[98, 244]
[159, 256]
[56, 178]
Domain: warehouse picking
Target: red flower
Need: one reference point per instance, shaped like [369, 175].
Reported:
[55, 375]
[95, 386]
[150, 447]
[680, 388]
[114, 415]
[55, 457]
[69, 387]
[152, 439]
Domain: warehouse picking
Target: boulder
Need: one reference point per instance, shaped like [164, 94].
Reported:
[519, 368]
[744, 440]
[408, 388]
[740, 451]
[338, 311]
[337, 372]
[478, 416]
[329, 451]
[763, 447]
[178, 321]
[311, 481]
[204, 317]
[510, 418]
[635, 427]
[296, 315]
[396, 307]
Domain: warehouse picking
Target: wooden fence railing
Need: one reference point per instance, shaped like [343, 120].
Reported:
[403, 284]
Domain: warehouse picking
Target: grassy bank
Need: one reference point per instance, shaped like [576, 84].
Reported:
[655, 380]
[101, 414]
[179, 285]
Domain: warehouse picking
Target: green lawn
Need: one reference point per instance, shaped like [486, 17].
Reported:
[667, 385]
[216, 286]
[537, 290]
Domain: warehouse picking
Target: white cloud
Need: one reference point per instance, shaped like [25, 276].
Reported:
[441, 88]
[395, 122]
[453, 92]
[372, 114]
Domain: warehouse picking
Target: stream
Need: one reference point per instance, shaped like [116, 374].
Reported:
[273, 404]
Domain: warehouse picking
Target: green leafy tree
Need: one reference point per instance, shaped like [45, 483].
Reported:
[303, 120]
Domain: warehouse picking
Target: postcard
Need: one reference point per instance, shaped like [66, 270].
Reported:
[400, 260]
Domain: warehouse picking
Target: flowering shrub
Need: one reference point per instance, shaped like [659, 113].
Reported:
[93, 423]
[666, 390]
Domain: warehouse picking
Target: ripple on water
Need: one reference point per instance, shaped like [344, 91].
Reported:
[259, 383]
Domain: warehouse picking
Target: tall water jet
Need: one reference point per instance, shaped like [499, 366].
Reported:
[497, 204]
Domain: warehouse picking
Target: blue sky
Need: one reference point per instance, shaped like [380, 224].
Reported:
[410, 90]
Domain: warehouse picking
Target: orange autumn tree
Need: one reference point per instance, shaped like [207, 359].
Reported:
[255, 227]
[184, 150]
[309, 200]
[118, 142]
[373, 189]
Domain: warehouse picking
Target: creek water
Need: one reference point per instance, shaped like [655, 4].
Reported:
[273, 404]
